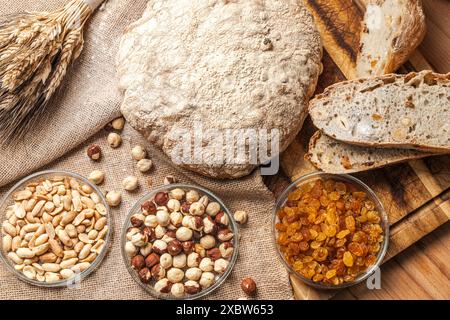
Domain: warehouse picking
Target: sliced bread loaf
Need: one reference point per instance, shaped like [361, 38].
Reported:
[391, 31]
[405, 111]
[333, 156]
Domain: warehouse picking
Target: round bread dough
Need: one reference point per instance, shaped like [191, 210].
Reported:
[223, 65]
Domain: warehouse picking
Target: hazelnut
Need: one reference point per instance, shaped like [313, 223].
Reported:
[161, 198]
[197, 209]
[209, 225]
[176, 218]
[191, 287]
[214, 254]
[179, 261]
[131, 232]
[171, 234]
[186, 222]
[146, 249]
[114, 140]
[177, 290]
[196, 223]
[149, 233]
[204, 200]
[138, 153]
[225, 235]
[163, 218]
[220, 265]
[166, 261]
[213, 209]
[160, 232]
[207, 279]
[139, 239]
[173, 205]
[169, 180]
[174, 247]
[151, 260]
[200, 250]
[130, 183]
[192, 196]
[241, 217]
[94, 152]
[159, 247]
[151, 221]
[137, 220]
[163, 286]
[177, 194]
[130, 249]
[208, 242]
[226, 249]
[193, 260]
[113, 198]
[206, 264]
[145, 275]
[185, 207]
[222, 219]
[248, 285]
[138, 262]
[193, 274]
[148, 207]
[158, 272]
[118, 124]
[175, 275]
[144, 165]
[184, 234]
[96, 177]
[167, 238]
[188, 247]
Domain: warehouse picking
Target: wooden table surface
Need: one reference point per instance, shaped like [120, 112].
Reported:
[423, 270]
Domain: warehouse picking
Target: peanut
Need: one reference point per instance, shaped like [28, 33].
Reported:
[54, 229]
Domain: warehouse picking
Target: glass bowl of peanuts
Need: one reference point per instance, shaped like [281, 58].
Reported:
[55, 229]
[179, 242]
[331, 231]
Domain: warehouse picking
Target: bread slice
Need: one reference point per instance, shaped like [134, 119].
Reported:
[403, 111]
[391, 31]
[333, 156]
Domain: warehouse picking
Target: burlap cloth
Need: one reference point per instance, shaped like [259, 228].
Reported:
[87, 101]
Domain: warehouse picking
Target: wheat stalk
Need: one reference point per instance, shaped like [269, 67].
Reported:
[36, 50]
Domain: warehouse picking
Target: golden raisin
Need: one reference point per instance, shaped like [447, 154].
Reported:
[330, 274]
[329, 231]
[348, 259]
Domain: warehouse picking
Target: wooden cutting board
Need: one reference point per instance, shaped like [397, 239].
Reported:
[416, 194]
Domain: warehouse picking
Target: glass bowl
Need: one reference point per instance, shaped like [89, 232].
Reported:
[306, 179]
[8, 200]
[219, 278]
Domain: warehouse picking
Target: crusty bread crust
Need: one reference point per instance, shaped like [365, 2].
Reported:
[413, 33]
[337, 166]
[411, 79]
[402, 29]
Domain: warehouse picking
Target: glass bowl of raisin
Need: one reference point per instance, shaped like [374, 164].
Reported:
[331, 231]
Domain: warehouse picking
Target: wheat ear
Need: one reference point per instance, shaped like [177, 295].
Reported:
[36, 50]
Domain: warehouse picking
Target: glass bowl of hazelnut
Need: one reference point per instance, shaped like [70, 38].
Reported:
[56, 229]
[179, 242]
[331, 231]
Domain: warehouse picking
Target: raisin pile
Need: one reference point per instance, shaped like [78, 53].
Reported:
[329, 231]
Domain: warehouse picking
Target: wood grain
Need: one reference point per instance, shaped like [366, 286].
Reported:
[416, 195]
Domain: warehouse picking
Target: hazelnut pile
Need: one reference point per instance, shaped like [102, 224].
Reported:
[180, 243]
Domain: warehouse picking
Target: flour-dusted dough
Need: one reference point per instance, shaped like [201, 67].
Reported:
[229, 64]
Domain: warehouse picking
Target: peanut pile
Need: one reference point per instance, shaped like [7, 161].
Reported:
[329, 231]
[55, 229]
[180, 243]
